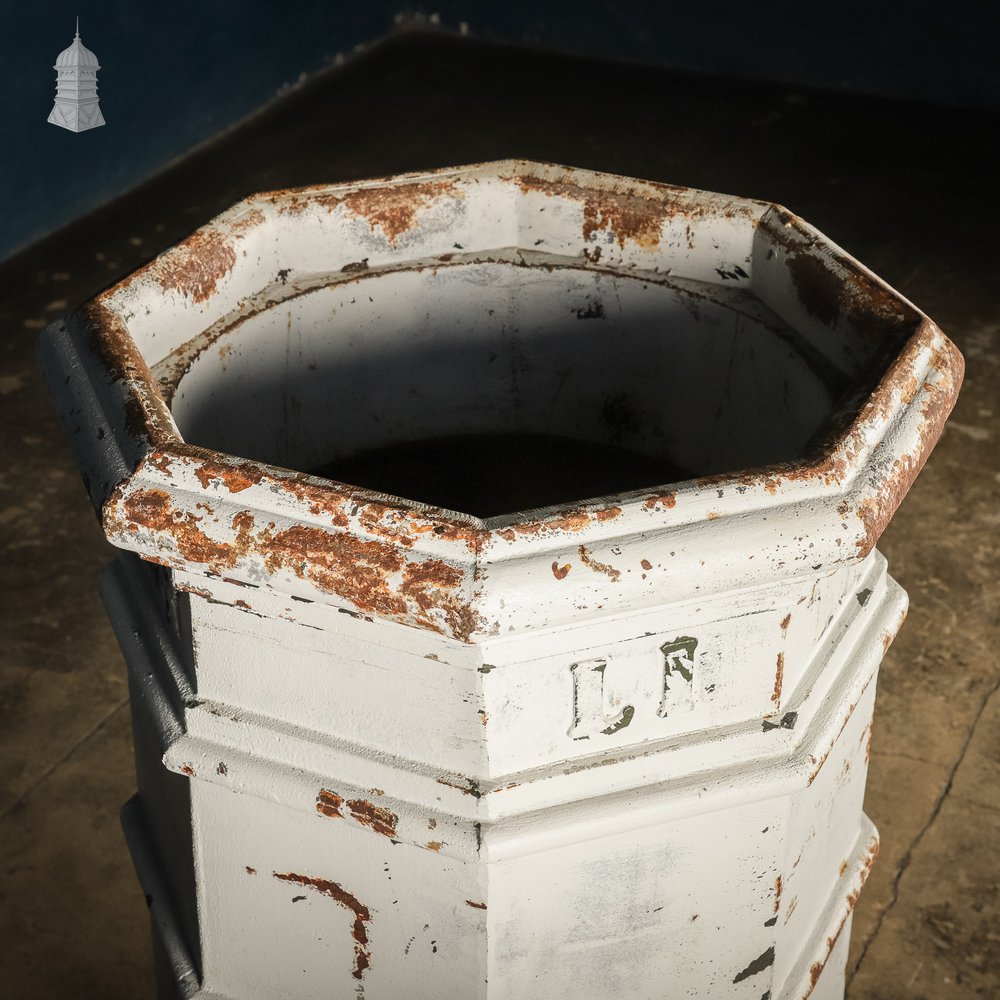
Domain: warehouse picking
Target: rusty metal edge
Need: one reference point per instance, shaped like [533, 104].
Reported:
[148, 425]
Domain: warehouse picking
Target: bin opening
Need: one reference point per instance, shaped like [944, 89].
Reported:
[489, 387]
[492, 474]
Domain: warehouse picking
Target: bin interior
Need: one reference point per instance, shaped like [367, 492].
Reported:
[489, 387]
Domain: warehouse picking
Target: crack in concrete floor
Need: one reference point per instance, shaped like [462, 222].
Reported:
[907, 858]
[64, 759]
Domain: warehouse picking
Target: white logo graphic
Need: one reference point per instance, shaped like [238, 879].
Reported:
[76, 106]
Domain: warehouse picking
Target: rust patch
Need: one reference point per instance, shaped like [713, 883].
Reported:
[187, 769]
[626, 214]
[326, 502]
[559, 572]
[475, 905]
[362, 915]
[645, 564]
[779, 676]
[877, 510]
[160, 461]
[144, 411]
[242, 523]
[668, 500]
[152, 509]
[777, 893]
[598, 567]
[328, 803]
[341, 564]
[570, 520]
[818, 288]
[565, 520]
[815, 971]
[249, 870]
[450, 530]
[870, 858]
[249, 220]
[386, 522]
[434, 845]
[842, 871]
[235, 477]
[136, 421]
[830, 285]
[786, 621]
[433, 585]
[375, 817]
[196, 265]
[394, 209]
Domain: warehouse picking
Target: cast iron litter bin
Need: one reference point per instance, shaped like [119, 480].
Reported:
[548, 746]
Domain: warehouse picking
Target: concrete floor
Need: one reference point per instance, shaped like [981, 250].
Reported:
[909, 189]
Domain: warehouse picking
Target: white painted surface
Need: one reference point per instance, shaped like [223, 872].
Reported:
[616, 745]
[584, 871]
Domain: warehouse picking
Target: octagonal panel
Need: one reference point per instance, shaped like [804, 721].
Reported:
[427, 397]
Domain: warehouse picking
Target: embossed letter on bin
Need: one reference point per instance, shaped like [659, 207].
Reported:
[500, 600]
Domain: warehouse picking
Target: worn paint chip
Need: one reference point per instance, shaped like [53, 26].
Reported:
[362, 915]
[328, 803]
[757, 966]
[598, 567]
[375, 817]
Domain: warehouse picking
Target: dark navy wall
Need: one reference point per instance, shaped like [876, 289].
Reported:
[174, 74]
[945, 52]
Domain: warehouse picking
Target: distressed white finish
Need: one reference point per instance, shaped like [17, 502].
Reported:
[614, 748]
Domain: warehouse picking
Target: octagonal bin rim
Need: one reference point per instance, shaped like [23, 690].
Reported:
[150, 486]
